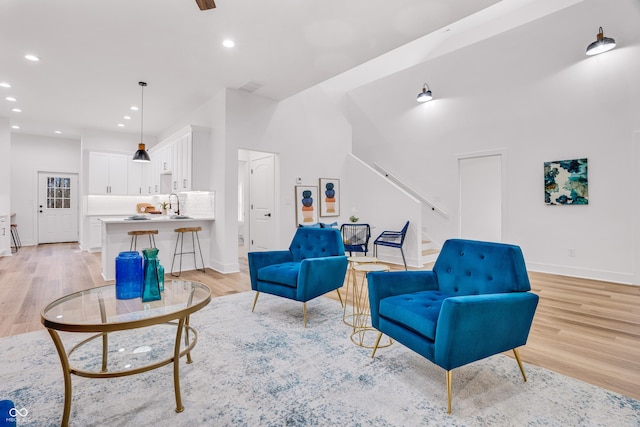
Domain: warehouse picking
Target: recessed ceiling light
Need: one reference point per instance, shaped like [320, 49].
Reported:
[228, 43]
[15, 127]
[5, 84]
[127, 117]
[32, 58]
[10, 98]
[120, 125]
[16, 110]
[134, 108]
[59, 132]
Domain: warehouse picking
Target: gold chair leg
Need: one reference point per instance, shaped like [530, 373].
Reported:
[340, 296]
[304, 310]
[255, 300]
[515, 352]
[449, 391]
[375, 347]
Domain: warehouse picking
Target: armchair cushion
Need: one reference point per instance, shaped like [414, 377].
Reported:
[284, 274]
[417, 311]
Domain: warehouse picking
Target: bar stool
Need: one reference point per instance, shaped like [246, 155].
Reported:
[194, 238]
[15, 237]
[134, 238]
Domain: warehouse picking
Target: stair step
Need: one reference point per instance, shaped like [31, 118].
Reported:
[429, 252]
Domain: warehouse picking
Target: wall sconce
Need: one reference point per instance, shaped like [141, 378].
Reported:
[425, 95]
[601, 45]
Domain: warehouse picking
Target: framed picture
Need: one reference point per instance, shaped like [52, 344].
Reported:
[566, 182]
[306, 204]
[329, 197]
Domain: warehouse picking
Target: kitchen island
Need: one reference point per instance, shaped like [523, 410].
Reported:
[115, 240]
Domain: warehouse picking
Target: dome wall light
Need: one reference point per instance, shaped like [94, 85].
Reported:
[425, 95]
[601, 45]
[141, 155]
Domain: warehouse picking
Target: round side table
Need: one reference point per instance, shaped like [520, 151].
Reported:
[362, 310]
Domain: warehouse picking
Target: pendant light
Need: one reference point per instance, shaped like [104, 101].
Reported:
[425, 95]
[601, 45]
[141, 155]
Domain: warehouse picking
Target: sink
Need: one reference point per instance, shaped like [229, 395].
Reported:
[180, 217]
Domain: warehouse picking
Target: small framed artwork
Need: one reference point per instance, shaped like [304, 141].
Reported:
[306, 204]
[566, 182]
[329, 197]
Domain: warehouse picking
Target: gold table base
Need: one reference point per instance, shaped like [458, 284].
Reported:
[360, 317]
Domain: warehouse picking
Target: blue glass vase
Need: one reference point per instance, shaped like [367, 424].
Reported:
[129, 275]
[151, 287]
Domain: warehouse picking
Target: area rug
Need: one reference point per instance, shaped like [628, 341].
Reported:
[266, 369]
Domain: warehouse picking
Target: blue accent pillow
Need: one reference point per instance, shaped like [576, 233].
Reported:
[333, 224]
[316, 225]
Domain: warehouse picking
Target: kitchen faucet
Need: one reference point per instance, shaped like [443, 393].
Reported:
[177, 212]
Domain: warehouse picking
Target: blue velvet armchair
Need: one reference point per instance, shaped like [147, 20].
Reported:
[314, 265]
[474, 303]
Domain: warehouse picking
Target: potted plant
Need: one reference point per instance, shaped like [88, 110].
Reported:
[163, 207]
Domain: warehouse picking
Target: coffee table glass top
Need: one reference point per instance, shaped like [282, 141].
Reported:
[98, 310]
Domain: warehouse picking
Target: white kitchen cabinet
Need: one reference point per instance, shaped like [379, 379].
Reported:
[95, 234]
[183, 162]
[135, 185]
[108, 173]
[184, 158]
[5, 233]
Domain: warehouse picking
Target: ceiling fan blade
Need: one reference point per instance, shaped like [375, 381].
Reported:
[206, 4]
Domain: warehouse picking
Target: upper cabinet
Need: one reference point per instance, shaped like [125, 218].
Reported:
[108, 173]
[182, 161]
[179, 163]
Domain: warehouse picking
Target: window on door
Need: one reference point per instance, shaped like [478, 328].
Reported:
[58, 192]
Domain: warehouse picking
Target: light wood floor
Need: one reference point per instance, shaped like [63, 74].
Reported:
[586, 329]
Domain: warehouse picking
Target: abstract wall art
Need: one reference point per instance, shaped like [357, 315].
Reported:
[306, 204]
[566, 182]
[329, 197]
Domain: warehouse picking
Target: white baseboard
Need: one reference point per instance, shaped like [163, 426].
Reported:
[607, 276]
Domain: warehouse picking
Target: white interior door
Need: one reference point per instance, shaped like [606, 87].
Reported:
[261, 201]
[57, 207]
[481, 198]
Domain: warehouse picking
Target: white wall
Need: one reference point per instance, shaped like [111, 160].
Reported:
[5, 186]
[534, 94]
[5, 166]
[29, 155]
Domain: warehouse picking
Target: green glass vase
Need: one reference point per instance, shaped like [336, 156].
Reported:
[151, 286]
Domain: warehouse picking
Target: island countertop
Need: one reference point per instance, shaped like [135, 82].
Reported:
[152, 218]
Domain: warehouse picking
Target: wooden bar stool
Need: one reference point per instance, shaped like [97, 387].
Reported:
[180, 239]
[134, 238]
[15, 237]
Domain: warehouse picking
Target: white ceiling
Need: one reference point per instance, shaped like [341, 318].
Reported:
[93, 53]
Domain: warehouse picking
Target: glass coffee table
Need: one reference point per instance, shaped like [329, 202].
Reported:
[126, 337]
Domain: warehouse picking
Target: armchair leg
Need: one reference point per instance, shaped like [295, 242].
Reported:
[449, 391]
[304, 310]
[515, 352]
[255, 300]
[375, 347]
[340, 296]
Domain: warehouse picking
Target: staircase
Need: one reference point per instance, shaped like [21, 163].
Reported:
[429, 251]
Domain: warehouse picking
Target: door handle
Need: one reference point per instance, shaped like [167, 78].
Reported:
[267, 214]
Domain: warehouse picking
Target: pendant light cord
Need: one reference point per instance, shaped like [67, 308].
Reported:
[142, 85]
